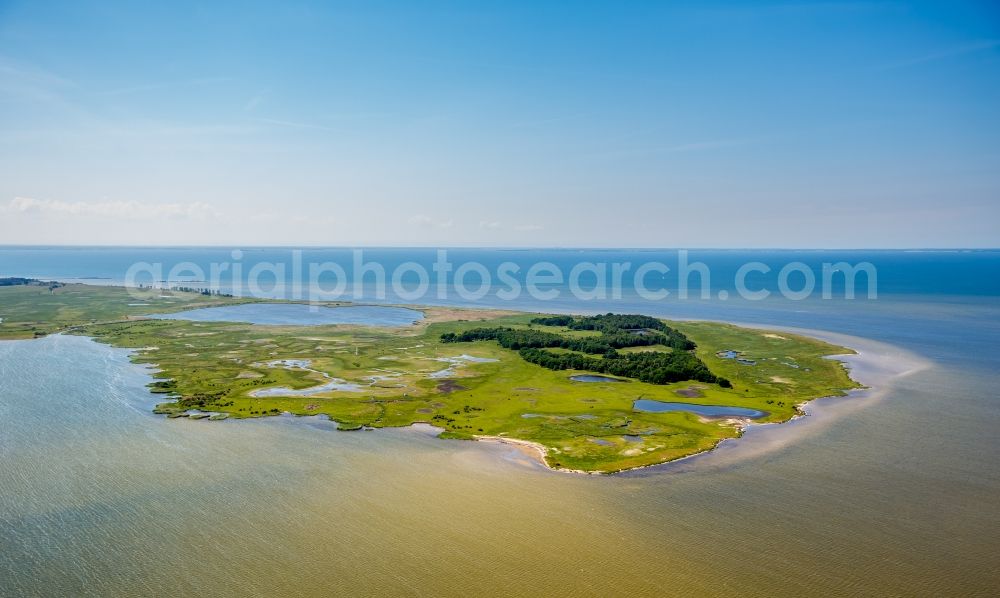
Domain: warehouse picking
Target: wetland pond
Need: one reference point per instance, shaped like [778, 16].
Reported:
[649, 405]
[594, 378]
[301, 314]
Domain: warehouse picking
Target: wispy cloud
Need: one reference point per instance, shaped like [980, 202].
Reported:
[24, 72]
[548, 121]
[290, 124]
[28, 83]
[254, 101]
[969, 48]
[703, 145]
[113, 209]
[160, 85]
[425, 221]
[697, 146]
[497, 225]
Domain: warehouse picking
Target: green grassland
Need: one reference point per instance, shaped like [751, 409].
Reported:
[215, 366]
[38, 309]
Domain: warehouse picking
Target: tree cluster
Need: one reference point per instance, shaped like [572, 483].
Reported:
[201, 291]
[13, 281]
[618, 331]
[621, 325]
[654, 367]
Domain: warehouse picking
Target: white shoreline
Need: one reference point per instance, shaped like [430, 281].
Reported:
[540, 451]
[875, 365]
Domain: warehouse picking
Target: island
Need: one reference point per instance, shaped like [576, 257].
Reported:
[597, 393]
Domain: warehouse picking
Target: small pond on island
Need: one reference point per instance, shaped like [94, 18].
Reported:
[594, 378]
[652, 406]
[300, 314]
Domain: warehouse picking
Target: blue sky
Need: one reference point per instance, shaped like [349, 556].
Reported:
[691, 124]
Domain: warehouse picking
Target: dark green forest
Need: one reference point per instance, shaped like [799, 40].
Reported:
[617, 331]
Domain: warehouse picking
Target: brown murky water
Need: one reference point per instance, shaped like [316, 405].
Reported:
[889, 493]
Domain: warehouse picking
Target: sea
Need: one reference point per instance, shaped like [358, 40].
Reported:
[891, 491]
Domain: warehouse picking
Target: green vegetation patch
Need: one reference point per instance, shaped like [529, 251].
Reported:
[422, 373]
[556, 351]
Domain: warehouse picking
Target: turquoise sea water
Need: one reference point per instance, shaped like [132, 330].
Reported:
[889, 492]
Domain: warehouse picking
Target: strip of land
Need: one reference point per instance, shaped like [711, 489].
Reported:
[468, 372]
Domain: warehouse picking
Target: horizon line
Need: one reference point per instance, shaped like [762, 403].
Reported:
[483, 247]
